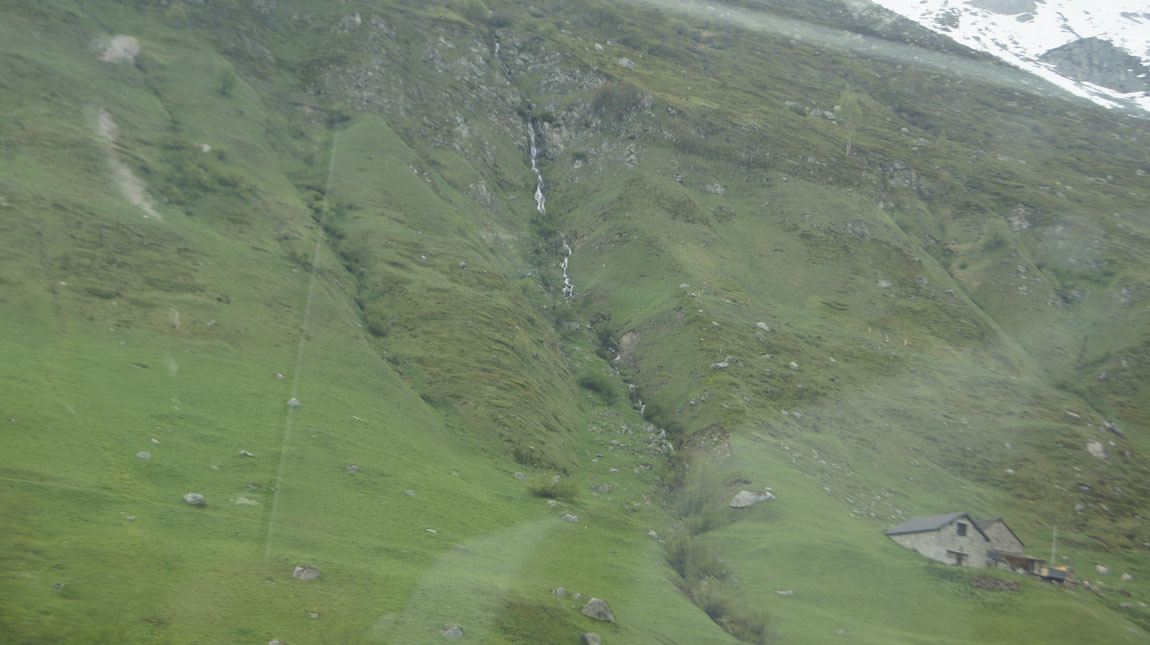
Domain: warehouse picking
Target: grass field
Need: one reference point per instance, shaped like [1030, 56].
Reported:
[929, 300]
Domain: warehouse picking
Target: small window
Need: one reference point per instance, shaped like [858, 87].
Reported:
[958, 557]
[961, 528]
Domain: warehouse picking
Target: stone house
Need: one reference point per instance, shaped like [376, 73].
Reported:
[954, 538]
[1001, 537]
[1006, 549]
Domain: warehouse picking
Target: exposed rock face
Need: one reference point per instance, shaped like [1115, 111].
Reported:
[1097, 449]
[195, 499]
[304, 572]
[1098, 61]
[598, 609]
[591, 638]
[745, 498]
[121, 49]
[1004, 7]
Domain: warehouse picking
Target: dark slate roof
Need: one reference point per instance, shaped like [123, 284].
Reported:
[934, 523]
[929, 523]
[985, 524]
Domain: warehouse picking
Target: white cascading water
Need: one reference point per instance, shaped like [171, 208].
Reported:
[642, 407]
[541, 206]
[540, 200]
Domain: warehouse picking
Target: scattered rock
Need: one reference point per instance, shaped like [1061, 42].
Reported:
[1097, 449]
[155, 441]
[785, 592]
[293, 402]
[552, 503]
[313, 614]
[1113, 427]
[721, 365]
[195, 499]
[885, 284]
[745, 498]
[144, 455]
[245, 453]
[352, 468]
[1126, 577]
[793, 365]
[462, 265]
[598, 609]
[652, 534]
[1126, 605]
[1101, 568]
[559, 591]
[131, 518]
[1078, 508]
[432, 531]
[280, 375]
[409, 493]
[454, 631]
[244, 501]
[568, 517]
[521, 477]
[591, 638]
[763, 326]
[684, 286]
[627, 62]
[275, 641]
[305, 572]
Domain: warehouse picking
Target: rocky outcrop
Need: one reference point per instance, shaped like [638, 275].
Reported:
[598, 609]
[1098, 61]
[746, 498]
[1004, 7]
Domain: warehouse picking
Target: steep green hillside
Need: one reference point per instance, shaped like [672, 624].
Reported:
[286, 255]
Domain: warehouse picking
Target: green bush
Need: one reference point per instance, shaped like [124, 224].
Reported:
[600, 384]
[617, 99]
[694, 560]
[555, 488]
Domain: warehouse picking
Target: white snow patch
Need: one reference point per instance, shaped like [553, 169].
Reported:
[1054, 23]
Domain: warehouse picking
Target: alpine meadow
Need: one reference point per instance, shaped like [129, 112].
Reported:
[579, 321]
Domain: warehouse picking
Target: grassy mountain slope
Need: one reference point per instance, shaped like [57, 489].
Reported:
[949, 271]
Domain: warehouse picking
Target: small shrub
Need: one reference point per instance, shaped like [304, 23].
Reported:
[600, 384]
[994, 243]
[617, 99]
[555, 488]
[227, 80]
[501, 18]
[694, 560]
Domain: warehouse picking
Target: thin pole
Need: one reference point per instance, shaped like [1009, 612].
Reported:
[1053, 544]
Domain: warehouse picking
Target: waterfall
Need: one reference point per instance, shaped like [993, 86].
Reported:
[540, 199]
[541, 206]
[640, 406]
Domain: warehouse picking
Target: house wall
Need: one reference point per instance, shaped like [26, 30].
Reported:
[935, 544]
[1002, 539]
